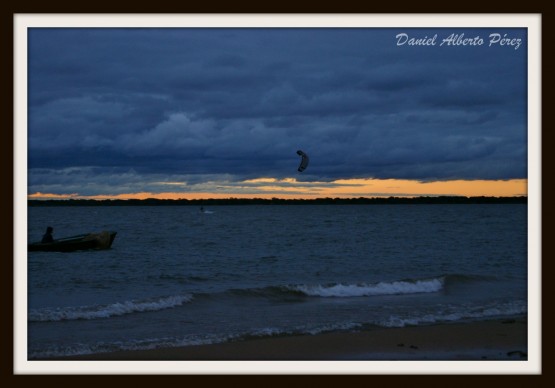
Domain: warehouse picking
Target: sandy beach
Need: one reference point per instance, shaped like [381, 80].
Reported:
[503, 339]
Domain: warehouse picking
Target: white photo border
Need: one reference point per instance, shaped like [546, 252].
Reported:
[530, 21]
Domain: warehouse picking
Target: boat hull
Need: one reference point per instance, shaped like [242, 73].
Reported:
[101, 240]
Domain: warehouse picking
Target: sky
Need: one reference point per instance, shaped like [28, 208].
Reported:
[221, 112]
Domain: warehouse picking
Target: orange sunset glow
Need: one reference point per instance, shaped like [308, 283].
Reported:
[290, 188]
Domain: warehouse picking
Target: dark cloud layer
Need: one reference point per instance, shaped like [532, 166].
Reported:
[240, 102]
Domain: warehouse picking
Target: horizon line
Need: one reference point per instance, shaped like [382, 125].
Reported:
[231, 198]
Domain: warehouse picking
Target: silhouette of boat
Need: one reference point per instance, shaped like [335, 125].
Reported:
[101, 240]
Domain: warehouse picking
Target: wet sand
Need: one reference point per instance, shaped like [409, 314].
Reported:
[504, 339]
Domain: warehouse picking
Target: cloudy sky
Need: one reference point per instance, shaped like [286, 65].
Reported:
[221, 112]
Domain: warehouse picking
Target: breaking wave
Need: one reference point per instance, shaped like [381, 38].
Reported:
[107, 311]
[381, 288]
[515, 308]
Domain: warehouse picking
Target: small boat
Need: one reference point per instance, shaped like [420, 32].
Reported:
[101, 240]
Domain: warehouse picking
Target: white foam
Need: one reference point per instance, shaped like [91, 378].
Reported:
[382, 288]
[106, 311]
[501, 310]
[393, 321]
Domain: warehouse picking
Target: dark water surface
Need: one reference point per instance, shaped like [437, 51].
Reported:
[176, 276]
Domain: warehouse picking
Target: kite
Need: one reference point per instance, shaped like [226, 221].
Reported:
[304, 161]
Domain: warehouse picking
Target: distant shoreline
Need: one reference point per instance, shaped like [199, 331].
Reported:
[442, 200]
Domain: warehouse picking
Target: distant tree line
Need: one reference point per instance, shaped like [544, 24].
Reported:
[280, 201]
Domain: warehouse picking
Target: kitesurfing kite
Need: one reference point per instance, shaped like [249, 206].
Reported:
[304, 160]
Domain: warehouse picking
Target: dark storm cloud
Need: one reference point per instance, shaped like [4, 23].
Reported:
[240, 102]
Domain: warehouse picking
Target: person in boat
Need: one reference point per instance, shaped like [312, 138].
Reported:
[48, 235]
